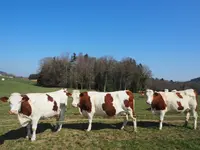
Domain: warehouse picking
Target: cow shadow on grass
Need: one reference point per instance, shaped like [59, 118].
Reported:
[100, 126]
[21, 132]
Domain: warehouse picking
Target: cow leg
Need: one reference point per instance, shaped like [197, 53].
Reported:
[195, 119]
[61, 118]
[34, 128]
[125, 122]
[28, 128]
[162, 114]
[187, 118]
[134, 120]
[90, 117]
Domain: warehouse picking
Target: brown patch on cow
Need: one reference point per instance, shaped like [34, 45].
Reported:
[49, 98]
[4, 99]
[55, 106]
[108, 105]
[196, 94]
[158, 102]
[180, 107]
[130, 101]
[179, 95]
[25, 97]
[85, 103]
[126, 103]
[25, 106]
[69, 94]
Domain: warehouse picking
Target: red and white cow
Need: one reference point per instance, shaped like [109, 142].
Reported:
[105, 104]
[33, 106]
[183, 101]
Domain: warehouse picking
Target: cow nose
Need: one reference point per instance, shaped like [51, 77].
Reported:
[12, 113]
[74, 105]
[148, 103]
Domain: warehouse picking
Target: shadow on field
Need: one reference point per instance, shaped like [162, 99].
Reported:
[21, 132]
[152, 124]
[100, 126]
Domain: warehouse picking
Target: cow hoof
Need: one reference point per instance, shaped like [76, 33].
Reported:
[58, 130]
[33, 139]
[28, 137]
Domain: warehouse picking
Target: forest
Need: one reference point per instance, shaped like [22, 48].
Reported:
[82, 71]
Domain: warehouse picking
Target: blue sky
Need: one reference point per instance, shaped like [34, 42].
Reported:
[165, 35]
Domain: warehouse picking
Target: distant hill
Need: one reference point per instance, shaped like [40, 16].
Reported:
[195, 79]
[2, 73]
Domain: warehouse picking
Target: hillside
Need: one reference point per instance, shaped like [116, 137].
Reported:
[2, 73]
[195, 79]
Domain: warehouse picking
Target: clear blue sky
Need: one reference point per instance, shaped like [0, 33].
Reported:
[163, 34]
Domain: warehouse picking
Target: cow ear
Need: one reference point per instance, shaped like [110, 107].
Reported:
[81, 94]
[4, 99]
[69, 94]
[25, 97]
[155, 94]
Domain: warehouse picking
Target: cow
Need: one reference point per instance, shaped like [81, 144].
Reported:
[184, 101]
[105, 104]
[32, 106]
[166, 90]
[142, 93]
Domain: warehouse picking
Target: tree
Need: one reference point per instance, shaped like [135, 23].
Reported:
[53, 72]
[33, 76]
[103, 74]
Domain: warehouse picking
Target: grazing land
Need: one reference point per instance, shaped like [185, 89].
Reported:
[105, 133]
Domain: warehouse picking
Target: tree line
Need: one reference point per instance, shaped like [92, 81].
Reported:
[85, 72]
[102, 74]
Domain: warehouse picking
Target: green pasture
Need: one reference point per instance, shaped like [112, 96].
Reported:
[105, 133]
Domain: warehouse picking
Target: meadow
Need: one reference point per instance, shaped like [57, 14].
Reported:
[105, 133]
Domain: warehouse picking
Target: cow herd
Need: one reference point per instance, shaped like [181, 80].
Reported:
[31, 107]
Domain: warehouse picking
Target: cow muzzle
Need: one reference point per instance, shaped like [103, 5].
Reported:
[74, 105]
[12, 112]
[148, 102]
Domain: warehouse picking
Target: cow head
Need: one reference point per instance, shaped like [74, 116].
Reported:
[166, 90]
[75, 97]
[66, 92]
[14, 101]
[149, 94]
[174, 90]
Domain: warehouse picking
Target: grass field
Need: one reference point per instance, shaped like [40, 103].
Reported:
[105, 132]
